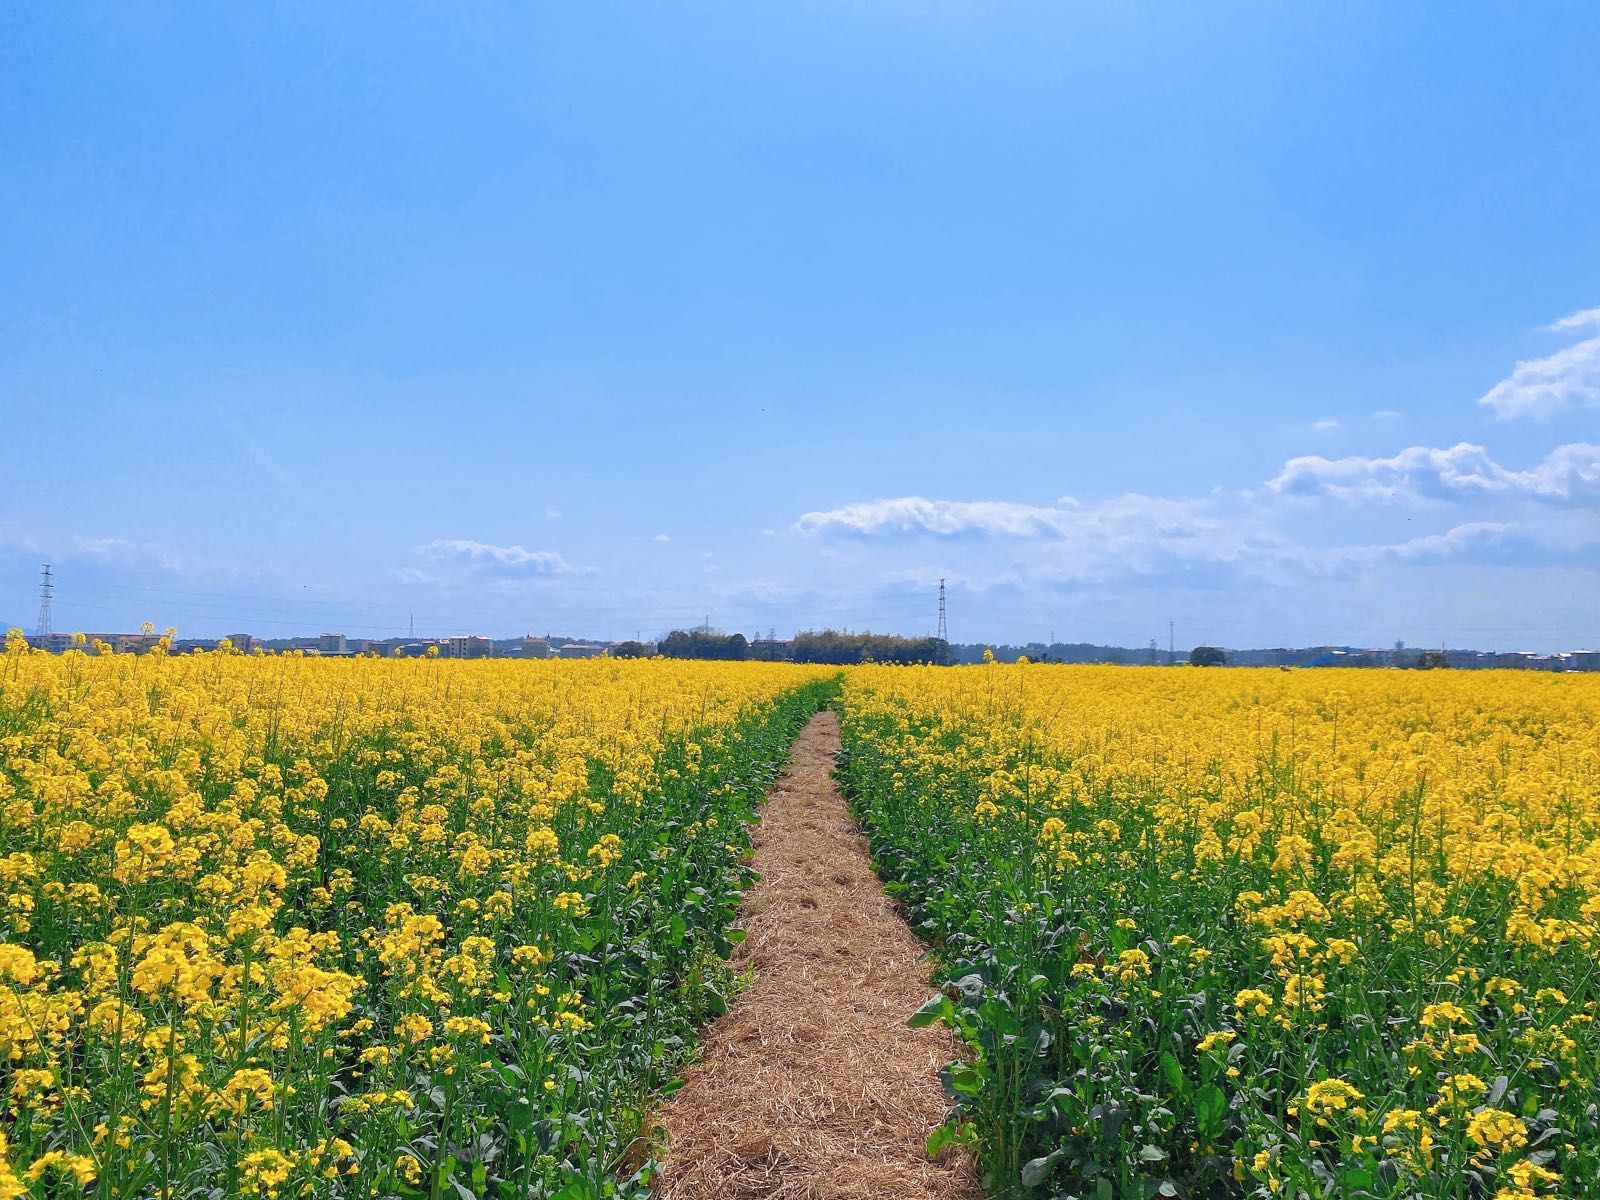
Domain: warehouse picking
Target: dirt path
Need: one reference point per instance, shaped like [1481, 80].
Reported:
[812, 1086]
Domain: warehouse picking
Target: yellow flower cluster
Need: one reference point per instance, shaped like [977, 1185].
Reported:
[268, 922]
[1386, 884]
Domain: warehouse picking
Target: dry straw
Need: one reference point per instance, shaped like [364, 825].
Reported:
[812, 1087]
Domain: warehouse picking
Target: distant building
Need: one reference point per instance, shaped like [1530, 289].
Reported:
[470, 646]
[130, 643]
[771, 650]
[1584, 660]
[582, 650]
[244, 643]
[1523, 660]
[404, 649]
[333, 643]
[533, 647]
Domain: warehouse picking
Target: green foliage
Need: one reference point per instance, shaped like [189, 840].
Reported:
[698, 643]
[1085, 1080]
[830, 646]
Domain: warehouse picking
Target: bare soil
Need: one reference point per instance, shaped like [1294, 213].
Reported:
[811, 1087]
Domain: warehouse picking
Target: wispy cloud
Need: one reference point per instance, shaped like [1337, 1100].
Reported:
[907, 514]
[1480, 543]
[1569, 378]
[1568, 474]
[1588, 318]
[1452, 542]
[661, 537]
[1227, 540]
[1128, 535]
[1387, 414]
[999, 518]
[1324, 425]
[107, 551]
[505, 558]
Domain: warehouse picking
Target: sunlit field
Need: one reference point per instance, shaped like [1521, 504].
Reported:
[289, 927]
[281, 926]
[1232, 932]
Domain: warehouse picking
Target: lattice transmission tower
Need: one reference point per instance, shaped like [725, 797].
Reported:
[47, 589]
[944, 627]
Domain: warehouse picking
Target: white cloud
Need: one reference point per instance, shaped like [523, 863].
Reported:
[1324, 425]
[102, 551]
[1387, 414]
[1569, 473]
[1584, 319]
[661, 537]
[1451, 542]
[1505, 543]
[1125, 536]
[1569, 378]
[413, 575]
[514, 558]
[1227, 541]
[908, 514]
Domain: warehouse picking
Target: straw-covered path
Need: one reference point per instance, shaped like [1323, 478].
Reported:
[811, 1086]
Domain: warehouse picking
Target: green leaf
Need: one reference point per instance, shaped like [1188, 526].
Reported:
[948, 1134]
[971, 987]
[963, 1079]
[1000, 1017]
[1036, 1170]
[1152, 1154]
[1172, 1073]
[1210, 1112]
[937, 1009]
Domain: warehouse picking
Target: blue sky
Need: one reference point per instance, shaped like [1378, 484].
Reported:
[1278, 321]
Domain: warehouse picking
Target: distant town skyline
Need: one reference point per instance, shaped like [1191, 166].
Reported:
[1278, 322]
[775, 647]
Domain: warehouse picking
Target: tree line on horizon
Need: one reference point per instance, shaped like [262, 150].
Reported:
[833, 648]
[827, 646]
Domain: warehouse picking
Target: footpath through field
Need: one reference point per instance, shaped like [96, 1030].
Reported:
[812, 1086]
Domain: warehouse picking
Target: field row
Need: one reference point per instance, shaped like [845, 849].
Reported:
[275, 926]
[1251, 932]
[278, 926]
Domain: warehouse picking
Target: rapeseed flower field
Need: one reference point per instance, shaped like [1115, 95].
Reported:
[280, 926]
[1251, 933]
